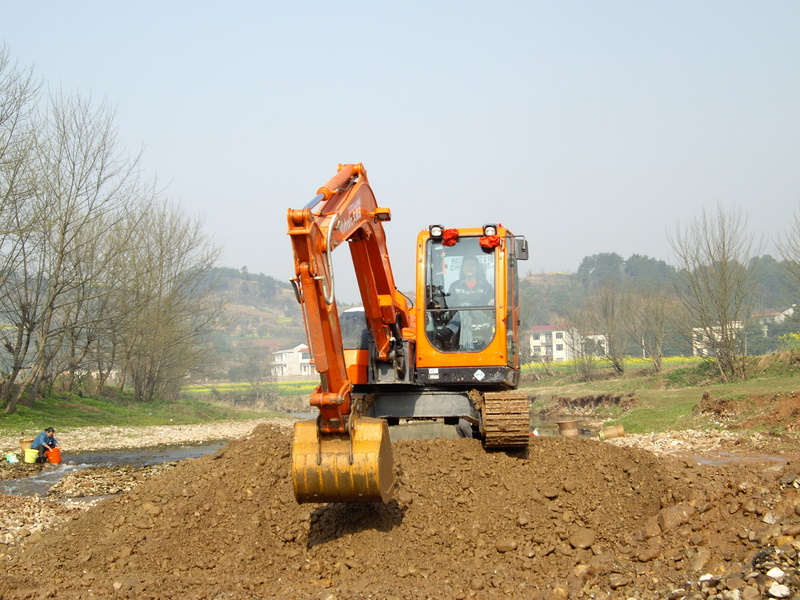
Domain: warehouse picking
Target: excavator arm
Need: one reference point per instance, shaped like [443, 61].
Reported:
[341, 456]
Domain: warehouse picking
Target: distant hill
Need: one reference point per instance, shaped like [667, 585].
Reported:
[260, 316]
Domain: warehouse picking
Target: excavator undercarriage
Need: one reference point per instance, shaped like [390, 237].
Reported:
[506, 420]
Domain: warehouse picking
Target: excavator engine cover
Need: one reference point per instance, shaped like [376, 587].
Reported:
[338, 468]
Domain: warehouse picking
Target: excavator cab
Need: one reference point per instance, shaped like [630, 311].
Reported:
[460, 310]
[468, 286]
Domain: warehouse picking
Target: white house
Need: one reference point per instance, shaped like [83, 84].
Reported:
[557, 344]
[773, 317]
[703, 340]
[292, 362]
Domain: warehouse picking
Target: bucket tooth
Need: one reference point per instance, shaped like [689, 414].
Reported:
[341, 467]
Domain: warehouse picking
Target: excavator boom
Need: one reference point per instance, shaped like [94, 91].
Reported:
[342, 456]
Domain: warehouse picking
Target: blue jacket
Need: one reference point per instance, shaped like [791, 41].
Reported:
[44, 438]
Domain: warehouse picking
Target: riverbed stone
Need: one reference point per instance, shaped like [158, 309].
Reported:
[672, 517]
[506, 545]
[582, 538]
[778, 590]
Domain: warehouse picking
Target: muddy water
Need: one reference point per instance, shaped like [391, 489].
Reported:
[723, 458]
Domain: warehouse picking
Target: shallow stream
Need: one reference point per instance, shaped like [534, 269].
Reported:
[131, 457]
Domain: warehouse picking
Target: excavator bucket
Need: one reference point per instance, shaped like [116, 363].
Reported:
[338, 468]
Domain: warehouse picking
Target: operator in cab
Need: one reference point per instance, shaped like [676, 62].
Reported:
[468, 329]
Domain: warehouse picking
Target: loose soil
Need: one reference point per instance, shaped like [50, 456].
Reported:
[567, 518]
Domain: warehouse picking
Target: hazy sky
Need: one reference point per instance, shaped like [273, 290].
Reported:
[587, 126]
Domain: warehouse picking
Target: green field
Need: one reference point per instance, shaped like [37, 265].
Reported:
[283, 388]
[75, 412]
[666, 400]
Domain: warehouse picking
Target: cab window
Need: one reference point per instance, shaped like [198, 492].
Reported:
[460, 284]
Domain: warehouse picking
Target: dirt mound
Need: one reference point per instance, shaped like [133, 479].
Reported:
[780, 412]
[568, 518]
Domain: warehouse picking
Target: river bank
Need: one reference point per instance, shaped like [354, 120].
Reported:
[116, 438]
[26, 518]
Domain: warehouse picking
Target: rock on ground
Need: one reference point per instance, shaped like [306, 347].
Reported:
[569, 518]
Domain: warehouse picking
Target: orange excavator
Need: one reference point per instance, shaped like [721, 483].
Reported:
[452, 355]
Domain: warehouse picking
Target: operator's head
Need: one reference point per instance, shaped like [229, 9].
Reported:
[471, 268]
[49, 430]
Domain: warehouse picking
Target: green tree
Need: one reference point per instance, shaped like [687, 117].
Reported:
[643, 271]
[773, 286]
[601, 269]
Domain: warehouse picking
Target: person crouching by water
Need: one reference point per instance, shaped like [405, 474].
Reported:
[44, 442]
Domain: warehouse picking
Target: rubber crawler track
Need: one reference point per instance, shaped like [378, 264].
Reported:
[506, 420]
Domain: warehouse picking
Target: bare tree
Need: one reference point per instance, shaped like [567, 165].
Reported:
[171, 307]
[18, 96]
[651, 318]
[96, 273]
[93, 304]
[577, 327]
[789, 248]
[716, 284]
[84, 185]
[607, 314]
[18, 216]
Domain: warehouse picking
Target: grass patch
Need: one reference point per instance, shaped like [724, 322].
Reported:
[689, 376]
[659, 417]
[281, 388]
[666, 400]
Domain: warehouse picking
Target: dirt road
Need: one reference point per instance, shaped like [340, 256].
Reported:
[569, 518]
